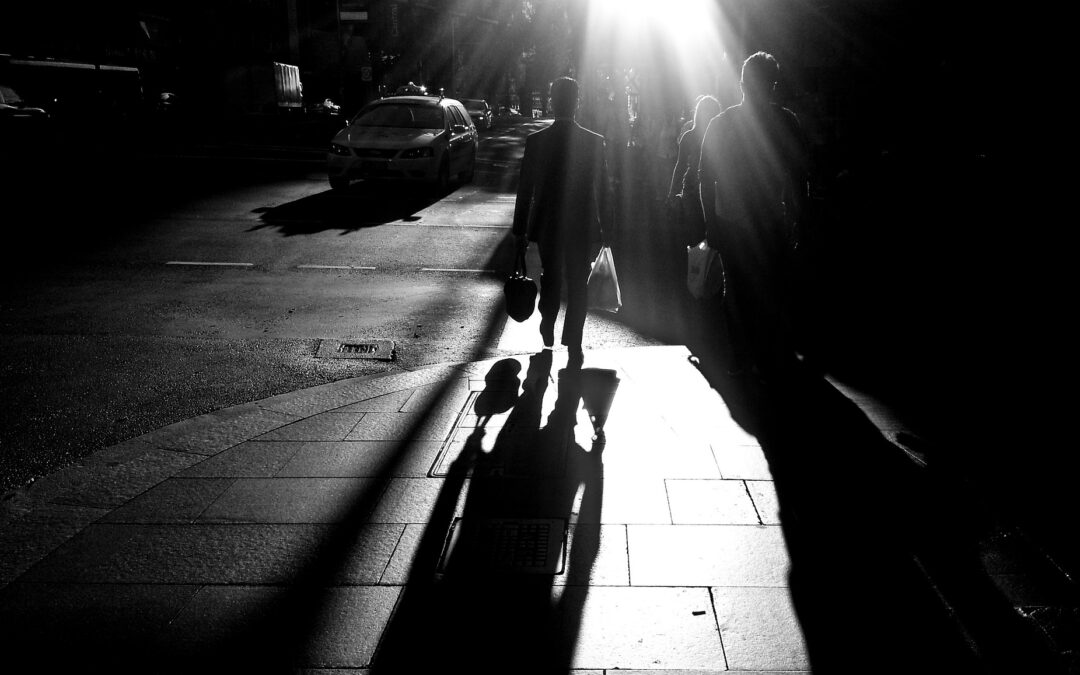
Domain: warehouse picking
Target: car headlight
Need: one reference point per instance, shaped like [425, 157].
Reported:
[340, 150]
[418, 153]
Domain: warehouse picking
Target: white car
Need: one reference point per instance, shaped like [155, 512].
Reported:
[412, 138]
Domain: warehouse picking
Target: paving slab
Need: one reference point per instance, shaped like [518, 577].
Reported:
[412, 500]
[595, 556]
[401, 427]
[359, 459]
[707, 555]
[250, 459]
[711, 502]
[212, 433]
[207, 553]
[760, 629]
[109, 483]
[37, 533]
[651, 449]
[450, 393]
[655, 628]
[177, 500]
[745, 461]
[391, 402]
[766, 501]
[292, 500]
[87, 627]
[217, 627]
[328, 426]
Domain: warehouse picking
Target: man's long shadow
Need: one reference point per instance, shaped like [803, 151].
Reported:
[480, 596]
[884, 554]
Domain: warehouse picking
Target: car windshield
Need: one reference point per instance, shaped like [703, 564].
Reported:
[404, 116]
[473, 104]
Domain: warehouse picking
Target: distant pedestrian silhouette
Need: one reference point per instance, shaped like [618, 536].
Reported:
[683, 188]
[562, 205]
[753, 185]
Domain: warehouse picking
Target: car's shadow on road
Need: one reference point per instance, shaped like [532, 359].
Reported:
[359, 206]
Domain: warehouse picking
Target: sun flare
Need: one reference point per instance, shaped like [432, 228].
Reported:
[677, 44]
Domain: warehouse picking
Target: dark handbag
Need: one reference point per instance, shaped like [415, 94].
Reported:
[520, 291]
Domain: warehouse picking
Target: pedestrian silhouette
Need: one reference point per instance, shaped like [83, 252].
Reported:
[753, 186]
[683, 191]
[500, 391]
[562, 205]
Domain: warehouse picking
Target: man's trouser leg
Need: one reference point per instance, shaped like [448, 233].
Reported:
[550, 294]
[577, 276]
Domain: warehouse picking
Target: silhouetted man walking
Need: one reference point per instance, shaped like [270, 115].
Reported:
[753, 185]
[562, 200]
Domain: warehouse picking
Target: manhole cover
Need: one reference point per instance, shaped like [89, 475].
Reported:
[518, 545]
[360, 348]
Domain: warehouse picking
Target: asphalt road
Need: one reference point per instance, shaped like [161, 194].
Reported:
[150, 289]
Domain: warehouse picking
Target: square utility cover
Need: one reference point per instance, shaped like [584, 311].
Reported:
[516, 545]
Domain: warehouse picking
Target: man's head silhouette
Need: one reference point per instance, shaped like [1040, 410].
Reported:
[760, 73]
[564, 97]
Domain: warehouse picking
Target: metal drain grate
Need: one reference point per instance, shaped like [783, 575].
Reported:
[369, 348]
[516, 545]
[380, 350]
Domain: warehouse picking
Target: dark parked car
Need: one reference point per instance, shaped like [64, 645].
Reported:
[23, 127]
[479, 111]
[12, 106]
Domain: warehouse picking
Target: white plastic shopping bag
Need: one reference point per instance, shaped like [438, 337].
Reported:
[603, 284]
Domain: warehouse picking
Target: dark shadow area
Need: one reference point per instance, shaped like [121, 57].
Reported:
[887, 558]
[62, 216]
[466, 606]
[362, 204]
[487, 595]
[279, 628]
[917, 281]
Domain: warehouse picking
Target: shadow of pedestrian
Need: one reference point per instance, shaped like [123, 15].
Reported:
[885, 554]
[487, 587]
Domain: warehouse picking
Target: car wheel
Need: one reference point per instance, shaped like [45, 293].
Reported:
[338, 183]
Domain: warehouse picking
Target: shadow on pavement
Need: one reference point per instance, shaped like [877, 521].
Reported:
[887, 558]
[487, 596]
[360, 205]
[432, 620]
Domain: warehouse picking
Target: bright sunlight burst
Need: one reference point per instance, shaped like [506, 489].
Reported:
[678, 45]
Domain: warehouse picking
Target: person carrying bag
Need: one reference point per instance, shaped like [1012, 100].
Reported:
[562, 200]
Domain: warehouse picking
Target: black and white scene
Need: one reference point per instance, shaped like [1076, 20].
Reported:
[544, 337]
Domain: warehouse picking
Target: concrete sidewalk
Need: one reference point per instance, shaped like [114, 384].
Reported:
[469, 515]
